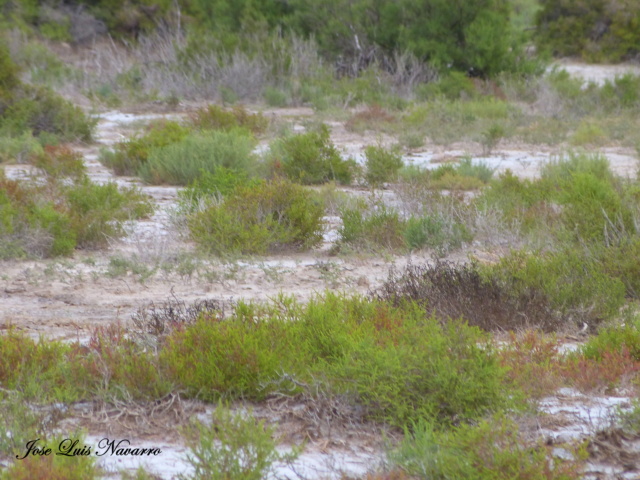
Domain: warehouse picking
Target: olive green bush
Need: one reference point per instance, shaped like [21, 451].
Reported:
[597, 30]
[183, 161]
[381, 165]
[25, 108]
[128, 157]
[397, 363]
[255, 220]
[491, 449]
[55, 218]
[310, 158]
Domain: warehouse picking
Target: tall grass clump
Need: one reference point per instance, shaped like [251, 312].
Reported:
[183, 161]
[310, 158]
[269, 216]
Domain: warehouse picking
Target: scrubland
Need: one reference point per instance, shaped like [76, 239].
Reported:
[260, 257]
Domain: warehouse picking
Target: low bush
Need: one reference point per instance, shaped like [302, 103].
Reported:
[114, 366]
[613, 368]
[574, 284]
[222, 181]
[233, 446]
[38, 370]
[59, 161]
[381, 165]
[614, 339]
[492, 449]
[20, 148]
[436, 233]
[43, 112]
[255, 220]
[396, 362]
[373, 228]
[373, 118]
[97, 212]
[37, 109]
[452, 291]
[417, 367]
[310, 158]
[597, 30]
[56, 217]
[128, 157]
[214, 117]
[464, 176]
[183, 161]
[20, 423]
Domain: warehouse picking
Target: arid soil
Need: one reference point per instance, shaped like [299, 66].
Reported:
[65, 298]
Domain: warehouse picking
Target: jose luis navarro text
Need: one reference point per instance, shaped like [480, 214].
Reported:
[71, 448]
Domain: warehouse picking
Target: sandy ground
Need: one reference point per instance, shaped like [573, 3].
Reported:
[65, 298]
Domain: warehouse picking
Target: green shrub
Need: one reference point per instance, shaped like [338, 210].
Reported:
[371, 228]
[128, 157]
[214, 117]
[310, 158]
[381, 165]
[98, 211]
[233, 446]
[452, 86]
[588, 133]
[276, 97]
[114, 366]
[208, 184]
[38, 370]
[493, 449]
[19, 423]
[229, 358]
[259, 219]
[561, 170]
[614, 339]
[25, 108]
[19, 148]
[397, 362]
[619, 261]
[479, 170]
[597, 30]
[417, 367]
[436, 233]
[575, 283]
[183, 161]
[56, 217]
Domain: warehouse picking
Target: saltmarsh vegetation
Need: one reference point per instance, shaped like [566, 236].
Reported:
[390, 359]
[28, 108]
[58, 216]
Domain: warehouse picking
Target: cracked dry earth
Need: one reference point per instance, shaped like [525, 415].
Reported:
[66, 298]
